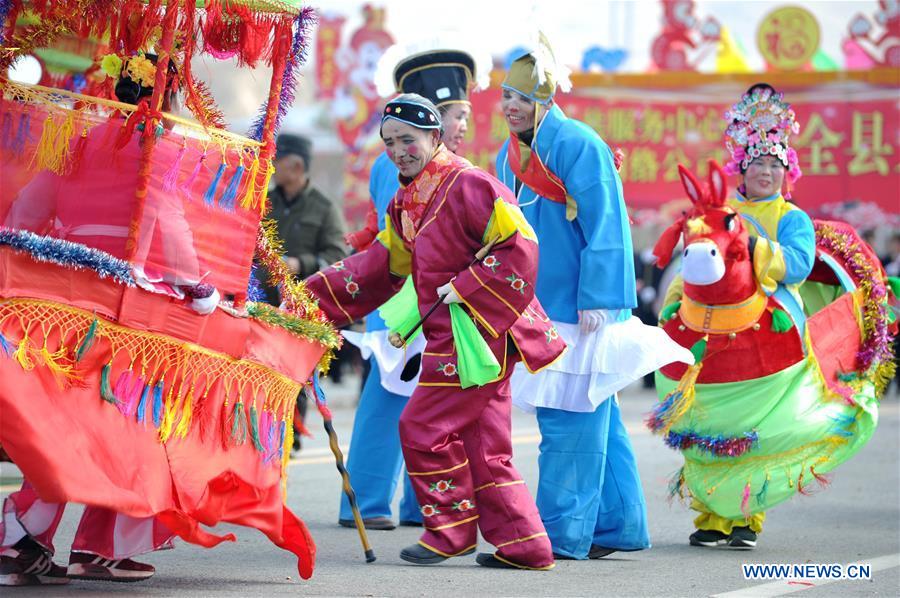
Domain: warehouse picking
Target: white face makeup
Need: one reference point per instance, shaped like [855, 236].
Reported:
[409, 148]
[764, 177]
[456, 123]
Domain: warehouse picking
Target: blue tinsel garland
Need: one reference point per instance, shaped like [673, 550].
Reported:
[68, 254]
[255, 290]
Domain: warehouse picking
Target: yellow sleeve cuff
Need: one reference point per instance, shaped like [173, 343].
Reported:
[401, 258]
[506, 220]
[768, 264]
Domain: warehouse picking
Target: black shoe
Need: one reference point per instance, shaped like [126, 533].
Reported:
[708, 537]
[598, 552]
[377, 523]
[420, 555]
[491, 561]
[742, 537]
[408, 523]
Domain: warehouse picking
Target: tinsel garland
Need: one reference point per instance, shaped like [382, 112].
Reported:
[296, 299]
[303, 24]
[876, 354]
[720, 446]
[68, 254]
[5, 8]
[41, 35]
[255, 292]
[322, 333]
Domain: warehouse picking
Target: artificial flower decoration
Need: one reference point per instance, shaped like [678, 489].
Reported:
[141, 70]
[111, 64]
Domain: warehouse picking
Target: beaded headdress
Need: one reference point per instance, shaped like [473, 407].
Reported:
[761, 124]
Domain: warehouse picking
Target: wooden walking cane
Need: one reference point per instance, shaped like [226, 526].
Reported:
[319, 398]
[400, 341]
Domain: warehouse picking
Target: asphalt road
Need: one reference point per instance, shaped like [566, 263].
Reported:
[857, 519]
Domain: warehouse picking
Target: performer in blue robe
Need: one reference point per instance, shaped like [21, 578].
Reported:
[589, 492]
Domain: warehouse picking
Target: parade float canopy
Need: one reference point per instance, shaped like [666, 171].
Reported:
[109, 214]
[204, 188]
[66, 178]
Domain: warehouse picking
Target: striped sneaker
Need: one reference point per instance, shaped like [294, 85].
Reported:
[87, 565]
[30, 567]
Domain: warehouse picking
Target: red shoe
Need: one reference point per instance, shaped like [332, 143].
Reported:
[87, 565]
[30, 567]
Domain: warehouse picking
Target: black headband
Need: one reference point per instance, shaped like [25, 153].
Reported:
[412, 113]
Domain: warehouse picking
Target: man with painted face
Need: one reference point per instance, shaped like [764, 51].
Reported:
[455, 432]
[375, 461]
[564, 175]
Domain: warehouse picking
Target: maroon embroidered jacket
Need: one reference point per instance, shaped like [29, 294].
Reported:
[435, 225]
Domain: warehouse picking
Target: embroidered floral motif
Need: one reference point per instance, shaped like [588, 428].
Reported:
[517, 283]
[448, 369]
[463, 505]
[442, 486]
[430, 510]
[552, 334]
[528, 317]
[351, 286]
[339, 266]
[491, 262]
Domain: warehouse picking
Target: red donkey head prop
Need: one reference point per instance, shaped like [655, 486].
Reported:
[716, 265]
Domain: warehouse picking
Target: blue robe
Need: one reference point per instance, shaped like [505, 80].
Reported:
[589, 492]
[375, 460]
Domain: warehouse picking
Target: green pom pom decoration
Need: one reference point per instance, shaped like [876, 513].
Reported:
[668, 311]
[698, 350]
[781, 322]
[894, 283]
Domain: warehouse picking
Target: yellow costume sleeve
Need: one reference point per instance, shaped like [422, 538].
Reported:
[401, 258]
[675, 291]
[506, 220]
[768, 264]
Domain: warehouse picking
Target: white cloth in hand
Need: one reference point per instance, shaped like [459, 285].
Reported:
[206, 305]
[592, 320]
[448, 294]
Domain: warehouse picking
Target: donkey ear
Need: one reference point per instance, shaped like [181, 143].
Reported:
[718, 184]
[690, 184]
[667, 242]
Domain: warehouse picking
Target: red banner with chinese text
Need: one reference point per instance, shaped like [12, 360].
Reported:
[328, 41]
[848, 141]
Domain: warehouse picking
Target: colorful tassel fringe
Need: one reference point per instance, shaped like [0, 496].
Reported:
[5, 346]
[250, 191]
[254, 429]
[761, 495]
[158, 405]
[189, 182]
[210, 196]
[745, 501]
[238, 433]
[88, 341]
[226, 202]
[184, 424]
[106, 392]
[676, 404]
[170, 179]
[141, 413]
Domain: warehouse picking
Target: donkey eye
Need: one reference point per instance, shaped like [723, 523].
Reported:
[731, 222]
